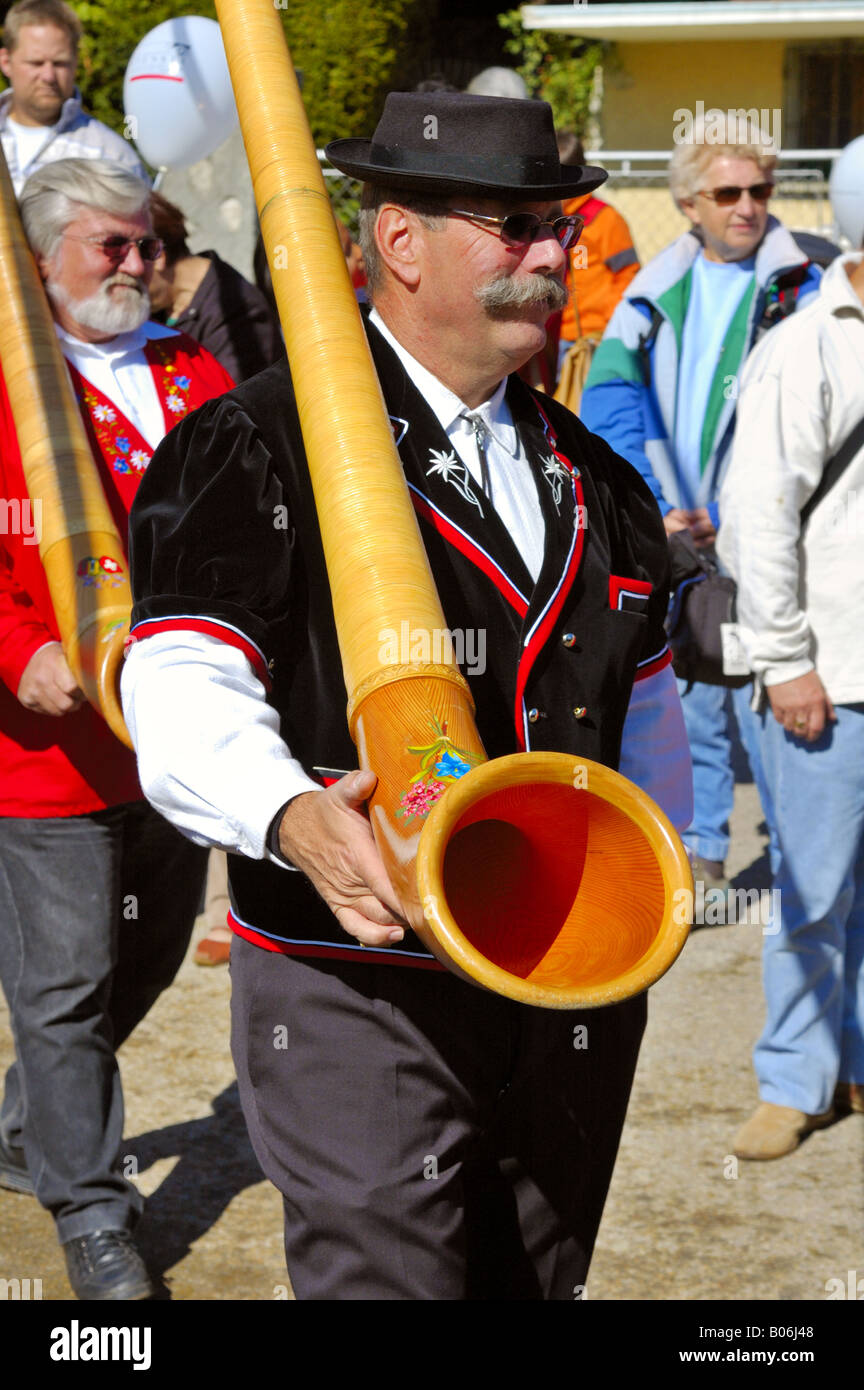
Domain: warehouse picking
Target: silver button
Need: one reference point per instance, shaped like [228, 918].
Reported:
[534, 715]
[580, 712]
[569, 639]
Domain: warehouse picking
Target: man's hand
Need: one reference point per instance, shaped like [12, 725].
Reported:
[328, 836]
[676, 520]
[700, 523]
[47, 685]
[802, 706]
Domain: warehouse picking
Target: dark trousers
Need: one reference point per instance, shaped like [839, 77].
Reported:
[431, 1140]
[95, 917]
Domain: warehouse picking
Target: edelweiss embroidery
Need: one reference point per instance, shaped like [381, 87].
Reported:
[455, 472]
[556, 475]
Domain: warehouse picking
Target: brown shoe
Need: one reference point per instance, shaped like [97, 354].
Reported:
[775, 1130]
[849, 1098]
[213, 950]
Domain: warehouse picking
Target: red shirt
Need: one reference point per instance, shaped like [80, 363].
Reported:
[73, 764]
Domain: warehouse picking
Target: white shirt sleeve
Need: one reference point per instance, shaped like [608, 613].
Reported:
[210, 755]
[778, 454]
[654, 750]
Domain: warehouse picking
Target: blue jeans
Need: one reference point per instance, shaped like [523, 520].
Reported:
[813, 968]
[711, 714]
[95, 916]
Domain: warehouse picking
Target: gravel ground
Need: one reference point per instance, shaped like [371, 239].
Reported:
[684, 1221]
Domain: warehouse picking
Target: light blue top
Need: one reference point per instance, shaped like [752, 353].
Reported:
[716, 291]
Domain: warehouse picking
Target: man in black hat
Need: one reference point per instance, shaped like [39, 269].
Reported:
[431, 1140]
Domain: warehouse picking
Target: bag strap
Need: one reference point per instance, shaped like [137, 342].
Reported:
[646, 342]
[591, 209]
[834, 469]
[782, 295]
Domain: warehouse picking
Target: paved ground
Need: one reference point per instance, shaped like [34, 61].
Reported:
[683, 1222]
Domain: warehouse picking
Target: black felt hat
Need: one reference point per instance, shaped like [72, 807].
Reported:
[453, 142]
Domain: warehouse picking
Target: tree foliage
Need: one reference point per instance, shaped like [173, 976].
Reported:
[559, 68]
[350, 53]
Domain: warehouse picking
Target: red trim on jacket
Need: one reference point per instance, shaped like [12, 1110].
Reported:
[470, 550]
[360, 955]
[657, 663]
[232, 637]
[619, 584]
[546, 622]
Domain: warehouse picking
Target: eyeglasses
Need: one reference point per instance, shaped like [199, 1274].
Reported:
[116, 248]
[727, 197]
[521, 228]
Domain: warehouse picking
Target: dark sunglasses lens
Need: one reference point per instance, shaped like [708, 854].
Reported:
[759, 192]
[568, 230]
[117, 247]
[521, 226]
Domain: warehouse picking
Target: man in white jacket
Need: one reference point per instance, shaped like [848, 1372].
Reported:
[800, 599]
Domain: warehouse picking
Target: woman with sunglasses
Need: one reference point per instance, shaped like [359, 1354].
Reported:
[662, 391]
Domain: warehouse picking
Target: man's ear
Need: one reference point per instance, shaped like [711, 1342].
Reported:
[399, 235]
[4, 62]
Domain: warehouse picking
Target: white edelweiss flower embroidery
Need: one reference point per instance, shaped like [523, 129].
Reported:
[556, 475]
[139, 459]
[455, 472]
[104, 414]
[175, 404]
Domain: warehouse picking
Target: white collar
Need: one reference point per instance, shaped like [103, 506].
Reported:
[121, 346]
[444, 403]
[836, 286]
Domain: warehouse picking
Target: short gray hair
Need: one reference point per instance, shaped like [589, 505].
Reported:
[430, 210]
[52, 196]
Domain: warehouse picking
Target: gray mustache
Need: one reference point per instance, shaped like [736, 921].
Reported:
[508, 292]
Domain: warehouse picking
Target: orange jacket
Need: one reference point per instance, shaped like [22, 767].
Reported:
[612, 263]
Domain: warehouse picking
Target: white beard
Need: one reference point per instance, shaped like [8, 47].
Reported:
[106, 311]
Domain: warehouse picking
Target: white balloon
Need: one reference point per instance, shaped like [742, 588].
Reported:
[846, 191]
[177, 93]
[497, 82]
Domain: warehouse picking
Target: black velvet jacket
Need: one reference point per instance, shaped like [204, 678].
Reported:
[561, 654]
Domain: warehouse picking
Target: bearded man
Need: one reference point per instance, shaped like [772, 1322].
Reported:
[98, 893]
[431, 1140]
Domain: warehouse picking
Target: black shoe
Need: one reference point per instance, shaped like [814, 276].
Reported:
[106, 1265]
[14, 1174]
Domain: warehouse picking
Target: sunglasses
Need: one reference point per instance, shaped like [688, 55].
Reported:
[116, 248]
[521, 228]
[727, 197]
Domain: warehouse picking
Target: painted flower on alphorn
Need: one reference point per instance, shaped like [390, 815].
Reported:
[440, 762]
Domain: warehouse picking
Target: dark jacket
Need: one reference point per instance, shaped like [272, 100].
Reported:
[232, 319]
[205, 552]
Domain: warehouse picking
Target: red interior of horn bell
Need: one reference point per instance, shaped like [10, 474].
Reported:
[554, 884]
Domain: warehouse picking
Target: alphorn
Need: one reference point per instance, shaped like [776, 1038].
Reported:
[544, 877]
[79, 545]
